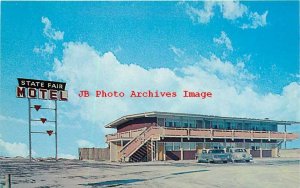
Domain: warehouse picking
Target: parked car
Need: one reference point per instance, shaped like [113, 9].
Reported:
[213, 155]
[239, 154]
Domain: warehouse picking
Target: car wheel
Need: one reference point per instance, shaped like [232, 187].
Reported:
[247, 161]
[224, 161]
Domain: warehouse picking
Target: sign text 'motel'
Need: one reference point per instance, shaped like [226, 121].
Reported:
[41, 89]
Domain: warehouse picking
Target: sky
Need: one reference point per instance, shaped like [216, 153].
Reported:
[245, 53]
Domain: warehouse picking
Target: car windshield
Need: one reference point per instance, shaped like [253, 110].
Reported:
[239, 150]
[217, 151]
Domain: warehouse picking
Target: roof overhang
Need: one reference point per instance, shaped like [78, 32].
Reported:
[127, 118]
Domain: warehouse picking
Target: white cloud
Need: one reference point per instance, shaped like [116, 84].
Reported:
[47, 48]
[201, 15]
[177, 51]
[50, 32]
[85, 144]
[230, 10]
[223, 39]
[256, 20]
[10, 120]
[13, 149]
[52, 35]
[83, 68]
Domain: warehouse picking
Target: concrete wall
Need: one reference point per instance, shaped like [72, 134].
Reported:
[293, 153]
[97, 154]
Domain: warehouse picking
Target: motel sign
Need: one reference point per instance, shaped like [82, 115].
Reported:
[41, 89]
[45, 90]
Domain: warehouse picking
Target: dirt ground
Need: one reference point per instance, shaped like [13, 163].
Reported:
[280, 172]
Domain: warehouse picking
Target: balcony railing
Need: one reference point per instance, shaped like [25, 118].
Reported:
[206, 133]
[125, 135]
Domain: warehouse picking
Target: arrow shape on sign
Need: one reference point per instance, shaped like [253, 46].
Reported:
[37, 107]
[49, 132]
[43, 120]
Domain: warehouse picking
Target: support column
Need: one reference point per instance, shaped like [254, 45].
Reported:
[156, 150]
[285, 136]
[260, 149]
[164, 151]
[181, 150]
[151, 144]
[181, 154]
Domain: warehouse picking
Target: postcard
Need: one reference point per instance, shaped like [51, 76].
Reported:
[149, 94]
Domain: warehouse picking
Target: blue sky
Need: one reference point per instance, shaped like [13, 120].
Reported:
[252, 48]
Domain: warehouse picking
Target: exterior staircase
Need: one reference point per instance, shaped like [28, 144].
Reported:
[138, 148]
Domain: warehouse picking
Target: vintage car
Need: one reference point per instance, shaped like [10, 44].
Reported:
[213, 155]
[239, 154]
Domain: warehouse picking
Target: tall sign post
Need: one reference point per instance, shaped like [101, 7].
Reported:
[44, 90]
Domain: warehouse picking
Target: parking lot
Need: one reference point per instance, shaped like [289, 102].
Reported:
[277, 172]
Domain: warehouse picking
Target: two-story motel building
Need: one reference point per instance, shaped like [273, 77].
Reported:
[176, 136]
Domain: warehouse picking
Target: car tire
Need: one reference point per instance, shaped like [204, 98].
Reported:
[247, 161]
[224, 161]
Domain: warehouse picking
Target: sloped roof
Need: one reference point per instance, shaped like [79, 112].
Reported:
[127, 118]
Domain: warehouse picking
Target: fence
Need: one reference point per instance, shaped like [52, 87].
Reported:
[97, 154]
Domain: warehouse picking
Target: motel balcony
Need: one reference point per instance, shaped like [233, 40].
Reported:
[202, 133]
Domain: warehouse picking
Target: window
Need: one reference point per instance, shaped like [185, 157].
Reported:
[185, 145]
[185, 123]
[177, 123]
[215, 125]
[199, 145]
[247, 126]
[228, 126]
[160, 121]
[240, 126]
[192, 124]
[192, 145]
[255, 146]
[169, 123]
[176, 146]
[221, 125]
[207, 124]
[273, 127]
[215, 145]
[233, 126]
[199, 124]
[169, 146]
